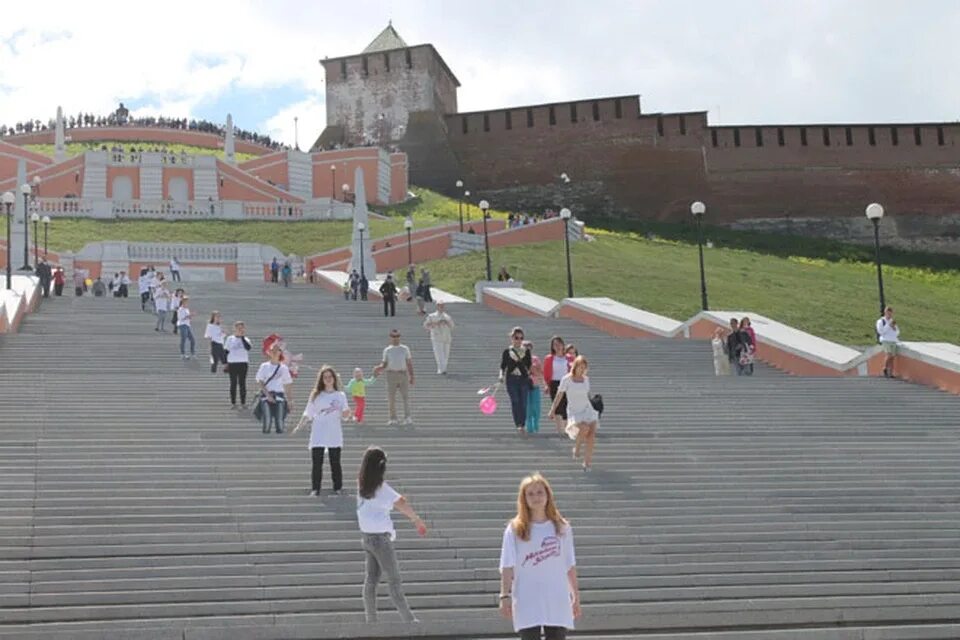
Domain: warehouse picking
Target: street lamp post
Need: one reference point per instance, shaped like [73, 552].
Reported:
[466, 194]
[333, 182]
[8, 201]
[408, 225]
[698, 209]
[484, 205]
[346, 188]
[46, 229]
[26, 190]
[460, 202]
[875, 214]
[565, 216]
[35, 219]
[360, 229]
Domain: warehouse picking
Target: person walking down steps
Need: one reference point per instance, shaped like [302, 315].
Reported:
[214, 333]
[184, 316]
[388, 290]
[274, 400]
[357, 388]
[398, 364]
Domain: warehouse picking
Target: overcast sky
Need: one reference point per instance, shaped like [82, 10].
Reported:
[744, 61]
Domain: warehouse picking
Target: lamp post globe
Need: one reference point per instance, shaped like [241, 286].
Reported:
[565, 215]
[484, 205]
[26, 190]
[698, 209]
[874, 213]
[8, 200]
[408, 225]
[46, 230]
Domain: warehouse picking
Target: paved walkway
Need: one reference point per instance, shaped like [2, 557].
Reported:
[135, 503]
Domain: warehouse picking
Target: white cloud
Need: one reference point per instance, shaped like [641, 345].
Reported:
[836, 60]
[310, 121]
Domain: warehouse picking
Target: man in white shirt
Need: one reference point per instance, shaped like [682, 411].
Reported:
[888, 333]
[398, 364]
[440, 325]
[174, 269]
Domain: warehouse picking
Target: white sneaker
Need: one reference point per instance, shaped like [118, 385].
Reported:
[391, 422]
[314, 494]
[408, 420]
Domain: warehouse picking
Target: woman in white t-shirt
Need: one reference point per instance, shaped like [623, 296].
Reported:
[582, 418]
[538, 568]
[161, 304]
[184, 316]
[325, 410]
[215, 335]
[375, 500]
[237, 348]
[275, 381]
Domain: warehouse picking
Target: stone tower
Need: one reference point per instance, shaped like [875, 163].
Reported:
[371, 95]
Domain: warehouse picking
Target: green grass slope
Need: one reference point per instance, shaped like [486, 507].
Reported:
[834, 300]
[302, 238]
[76, 148]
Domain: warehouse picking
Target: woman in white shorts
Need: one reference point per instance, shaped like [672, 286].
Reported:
[582, 418]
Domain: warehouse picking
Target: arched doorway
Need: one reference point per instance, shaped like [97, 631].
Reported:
[122, 189]
[178, 189]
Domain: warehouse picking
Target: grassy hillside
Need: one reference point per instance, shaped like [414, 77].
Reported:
[301, 238]
[76, 148]
[835, 300]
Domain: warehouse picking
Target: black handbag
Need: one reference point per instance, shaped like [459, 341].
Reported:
[259, 398]
[596, 401]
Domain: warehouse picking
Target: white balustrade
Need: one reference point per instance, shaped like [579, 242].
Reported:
[279, 210]
[161, 252]
[61, 207]
[167, 209]
[127, 158]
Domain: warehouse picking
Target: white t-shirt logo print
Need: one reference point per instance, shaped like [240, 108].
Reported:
[549, 548]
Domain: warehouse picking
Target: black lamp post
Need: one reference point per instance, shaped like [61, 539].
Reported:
[408, 225]
[698, 209]
[8, 201]
[565, 216]
[360, 229]
[460, 202]
[484, 205]
[35, 219]
[466, 194]
[875, 214]
[46, 229]
[333, 182]
[25, 189]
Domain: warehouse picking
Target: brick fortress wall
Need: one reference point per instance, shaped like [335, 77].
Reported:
[623, 163]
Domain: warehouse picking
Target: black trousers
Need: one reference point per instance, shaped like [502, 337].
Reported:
[316, 472]
[391, 305]
[217, 356]
[58, 289]
[549, 633]
[238, 378]
[174, 275]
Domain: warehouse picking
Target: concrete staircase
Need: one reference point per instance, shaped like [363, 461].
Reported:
[135, 504]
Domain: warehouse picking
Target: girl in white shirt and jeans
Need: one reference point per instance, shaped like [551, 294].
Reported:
[275, 381]
[184, 315]
[375, 500]
[215, 335]
[538, 568]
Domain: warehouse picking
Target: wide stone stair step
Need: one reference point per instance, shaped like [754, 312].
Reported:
[135, 503]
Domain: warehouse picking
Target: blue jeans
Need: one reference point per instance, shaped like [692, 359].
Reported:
[533, 409]
[186, 333]
[518, 387]
[275, 412]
